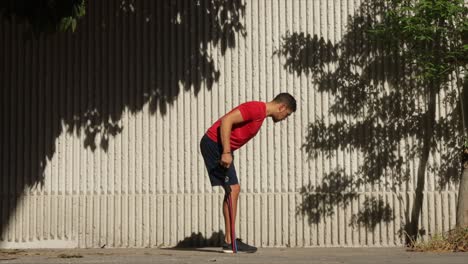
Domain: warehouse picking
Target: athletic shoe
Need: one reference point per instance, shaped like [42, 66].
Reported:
[241, 247]
[227, 248]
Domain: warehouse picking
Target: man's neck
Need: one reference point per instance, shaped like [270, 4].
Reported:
[270, 108]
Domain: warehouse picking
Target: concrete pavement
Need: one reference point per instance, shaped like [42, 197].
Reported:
[213, 255]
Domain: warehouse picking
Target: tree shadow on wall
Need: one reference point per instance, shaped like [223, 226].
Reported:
[122, 56]
[384, 115]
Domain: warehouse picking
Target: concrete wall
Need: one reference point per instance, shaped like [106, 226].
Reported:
[100, 132]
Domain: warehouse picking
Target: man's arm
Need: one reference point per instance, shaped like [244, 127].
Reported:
[234, 117]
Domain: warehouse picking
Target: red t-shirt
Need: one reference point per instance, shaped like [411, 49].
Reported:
[253, 114]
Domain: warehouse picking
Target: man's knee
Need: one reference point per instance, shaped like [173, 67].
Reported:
[235, 188]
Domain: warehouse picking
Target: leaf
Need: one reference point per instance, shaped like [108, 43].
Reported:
[73, 24]
[65, 23]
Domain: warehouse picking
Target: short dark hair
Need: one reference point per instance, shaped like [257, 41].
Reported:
[287, 99]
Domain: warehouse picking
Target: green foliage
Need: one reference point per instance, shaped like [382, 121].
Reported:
[70, 21]
[45, 15]
[465, 152]
[431, 34]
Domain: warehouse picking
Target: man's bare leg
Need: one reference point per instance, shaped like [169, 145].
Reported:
[235, 189]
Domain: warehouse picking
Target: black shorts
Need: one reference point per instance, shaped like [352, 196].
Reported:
[211, 152]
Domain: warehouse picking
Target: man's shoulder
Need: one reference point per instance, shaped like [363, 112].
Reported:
[253, 110]
[253, 104]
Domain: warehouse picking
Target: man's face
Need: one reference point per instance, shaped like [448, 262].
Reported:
[282, 113]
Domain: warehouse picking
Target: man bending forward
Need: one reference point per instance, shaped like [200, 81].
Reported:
[229, 133]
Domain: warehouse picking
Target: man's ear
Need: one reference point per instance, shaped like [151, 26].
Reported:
[281, 108]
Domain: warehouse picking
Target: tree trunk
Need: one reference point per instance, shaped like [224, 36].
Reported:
[462, 207]
[412, 228]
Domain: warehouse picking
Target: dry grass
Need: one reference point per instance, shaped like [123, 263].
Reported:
[455, 240]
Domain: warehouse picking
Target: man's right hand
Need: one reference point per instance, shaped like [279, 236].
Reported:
[226, 160]
[230, 119]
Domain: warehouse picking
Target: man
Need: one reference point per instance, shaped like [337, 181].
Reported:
[229, 133]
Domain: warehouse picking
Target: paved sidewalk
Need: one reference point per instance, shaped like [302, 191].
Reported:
[213, 255]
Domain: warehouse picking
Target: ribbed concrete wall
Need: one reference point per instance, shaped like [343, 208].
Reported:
[101, 127]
